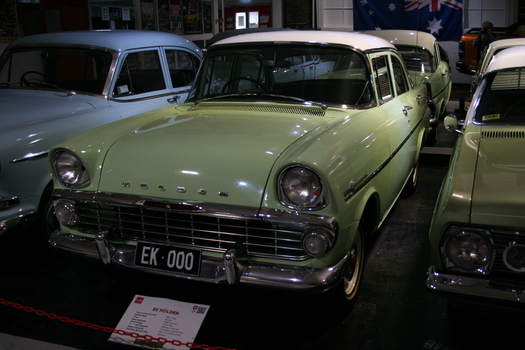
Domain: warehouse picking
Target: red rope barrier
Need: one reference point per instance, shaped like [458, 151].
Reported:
[147, 338]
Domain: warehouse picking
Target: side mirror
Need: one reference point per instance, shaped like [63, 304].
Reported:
[451, 123]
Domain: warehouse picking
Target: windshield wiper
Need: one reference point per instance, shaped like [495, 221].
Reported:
[68, 92]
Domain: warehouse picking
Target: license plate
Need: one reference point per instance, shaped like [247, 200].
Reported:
[168, 258]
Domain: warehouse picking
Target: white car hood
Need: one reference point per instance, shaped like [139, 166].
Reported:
[21, 108]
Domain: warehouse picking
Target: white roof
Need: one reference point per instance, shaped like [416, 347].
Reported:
[503, 43]
[497, 46]
[357, 40]
[508, 58]
[407, 37]
[118, 40]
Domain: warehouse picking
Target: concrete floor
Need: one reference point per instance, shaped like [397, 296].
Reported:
[394, 309]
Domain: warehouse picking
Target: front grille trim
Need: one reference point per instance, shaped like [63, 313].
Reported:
[198, 230]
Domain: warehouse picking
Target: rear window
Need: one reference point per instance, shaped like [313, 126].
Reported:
[502, 100]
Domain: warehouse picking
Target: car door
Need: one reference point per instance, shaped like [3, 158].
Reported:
[400, 106]
[152, 78]
[443, 80]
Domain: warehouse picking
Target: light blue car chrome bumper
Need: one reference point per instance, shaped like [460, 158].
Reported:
[12, 216]
[473, 286]
[230, 269]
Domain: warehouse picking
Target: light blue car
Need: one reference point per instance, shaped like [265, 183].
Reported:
[55, 86]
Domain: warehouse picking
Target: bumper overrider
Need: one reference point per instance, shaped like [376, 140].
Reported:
[233, 263]
[457, 285]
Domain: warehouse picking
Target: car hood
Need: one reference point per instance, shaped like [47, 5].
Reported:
[223, 157]
[498, 197]
[25, 107]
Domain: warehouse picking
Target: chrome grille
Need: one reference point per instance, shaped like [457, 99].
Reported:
[502, 239]
[209, 232]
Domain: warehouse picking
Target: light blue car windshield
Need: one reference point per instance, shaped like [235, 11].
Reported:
[55, 68]
[502, 98]
[309, 72]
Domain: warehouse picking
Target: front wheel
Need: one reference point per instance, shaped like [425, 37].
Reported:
[343, 296]
[352, 278]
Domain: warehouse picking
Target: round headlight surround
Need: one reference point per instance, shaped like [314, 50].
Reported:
[65, 212]
[69, 169]
[468, 250]
[301, 188]
[317, 241]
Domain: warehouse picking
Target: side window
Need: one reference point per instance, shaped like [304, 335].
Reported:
[382, 78]
[140, 73]
[400, 78]
[183, 67]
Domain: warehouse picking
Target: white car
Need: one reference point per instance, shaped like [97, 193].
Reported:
[55, 86]
[424, 59]
[490, 51]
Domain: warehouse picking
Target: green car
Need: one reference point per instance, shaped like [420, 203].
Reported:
[292, 148]
[477, 232]
[427, 64]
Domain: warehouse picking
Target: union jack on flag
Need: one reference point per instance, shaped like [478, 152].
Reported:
[442, 18]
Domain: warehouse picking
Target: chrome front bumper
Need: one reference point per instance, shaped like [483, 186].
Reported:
[471, 286]
[233, 268]
[13, 216]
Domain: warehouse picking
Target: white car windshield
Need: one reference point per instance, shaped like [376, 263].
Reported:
[68, 69]
[308, 72]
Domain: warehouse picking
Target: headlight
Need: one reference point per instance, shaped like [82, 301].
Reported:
[317, 241]
[65, 212]
[301, 188]
[468, 250]
[69, 169]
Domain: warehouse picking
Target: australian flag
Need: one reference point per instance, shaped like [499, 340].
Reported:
[442, 18]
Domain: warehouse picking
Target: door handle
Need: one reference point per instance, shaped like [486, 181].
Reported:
[174, 99]
[406, 109]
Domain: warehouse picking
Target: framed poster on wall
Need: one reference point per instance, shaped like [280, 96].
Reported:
[297, 14]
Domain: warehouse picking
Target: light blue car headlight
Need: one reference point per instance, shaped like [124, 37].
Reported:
[468, 250]
[300, 188]
[69, 169]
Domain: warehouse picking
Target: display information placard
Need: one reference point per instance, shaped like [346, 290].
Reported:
[159, 318]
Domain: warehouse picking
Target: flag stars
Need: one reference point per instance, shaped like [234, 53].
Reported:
[392, 7]
[364, 2]
[434, 26]
[370, 13]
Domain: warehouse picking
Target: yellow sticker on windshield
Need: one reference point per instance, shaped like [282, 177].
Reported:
[490, 117]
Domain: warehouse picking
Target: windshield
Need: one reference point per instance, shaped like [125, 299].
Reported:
[55, 68]
[307, 72]
[502, 99]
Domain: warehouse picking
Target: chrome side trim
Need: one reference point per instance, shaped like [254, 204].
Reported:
[31, 156]
[349, 193]
[470, 285]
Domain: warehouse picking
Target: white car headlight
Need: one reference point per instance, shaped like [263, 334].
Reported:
[301, 188]
[69, 169]
[468, 250]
